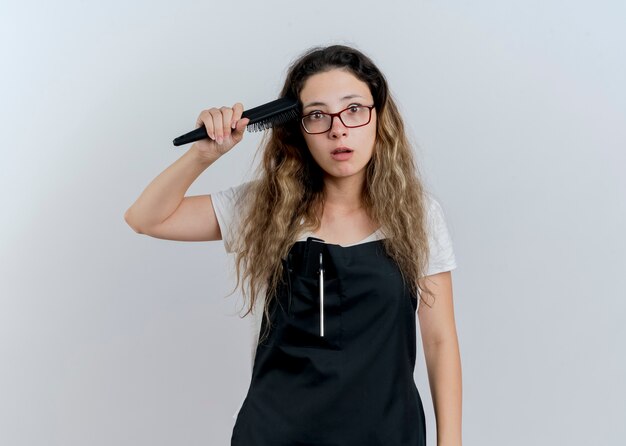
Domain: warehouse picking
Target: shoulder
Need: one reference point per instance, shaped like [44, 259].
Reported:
[226, 200]
[234, 193]
[433, 209]
[230, 206]
[441, 255]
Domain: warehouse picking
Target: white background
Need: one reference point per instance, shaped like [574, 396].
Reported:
[517, 111]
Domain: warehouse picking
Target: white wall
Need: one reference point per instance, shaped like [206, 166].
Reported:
[518, 113]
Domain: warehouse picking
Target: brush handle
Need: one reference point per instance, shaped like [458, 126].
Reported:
[194, 135]
[256, 115]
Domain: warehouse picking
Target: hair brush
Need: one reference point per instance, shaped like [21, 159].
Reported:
[262, 117]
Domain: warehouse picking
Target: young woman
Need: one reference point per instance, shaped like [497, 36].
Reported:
[336, 245]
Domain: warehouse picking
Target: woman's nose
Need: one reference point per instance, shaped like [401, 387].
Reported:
[337, 129]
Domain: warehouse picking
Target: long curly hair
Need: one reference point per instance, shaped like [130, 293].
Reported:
[289, 189]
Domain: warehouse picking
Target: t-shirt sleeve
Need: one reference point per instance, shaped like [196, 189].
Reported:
[227, 205]
[441, 256]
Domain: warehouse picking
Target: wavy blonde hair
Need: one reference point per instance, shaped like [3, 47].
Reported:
[289, 187]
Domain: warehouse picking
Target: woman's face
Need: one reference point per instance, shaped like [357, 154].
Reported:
[331, 92]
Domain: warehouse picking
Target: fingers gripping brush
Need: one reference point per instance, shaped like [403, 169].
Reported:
[262, 117]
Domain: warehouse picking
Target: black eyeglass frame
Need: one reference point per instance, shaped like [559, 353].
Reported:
[338, 114]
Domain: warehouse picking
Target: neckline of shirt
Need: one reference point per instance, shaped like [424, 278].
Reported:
[376, 235]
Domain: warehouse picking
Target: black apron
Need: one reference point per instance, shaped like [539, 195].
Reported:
[337, 367]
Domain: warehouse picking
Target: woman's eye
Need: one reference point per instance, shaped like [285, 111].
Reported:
[354, 108]
[316, 115]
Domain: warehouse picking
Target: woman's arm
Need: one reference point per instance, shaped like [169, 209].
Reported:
[162, 210]
[443, 361]
[163, 204]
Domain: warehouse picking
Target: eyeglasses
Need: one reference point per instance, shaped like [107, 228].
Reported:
[353, 116]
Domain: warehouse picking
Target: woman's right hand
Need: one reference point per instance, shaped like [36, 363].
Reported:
[225, 128]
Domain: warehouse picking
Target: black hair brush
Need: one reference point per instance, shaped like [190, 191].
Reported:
[261, 118]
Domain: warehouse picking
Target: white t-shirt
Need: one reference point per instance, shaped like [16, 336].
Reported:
[441, 253]
[225, 204]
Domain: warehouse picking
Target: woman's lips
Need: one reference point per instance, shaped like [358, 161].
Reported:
[341, 153]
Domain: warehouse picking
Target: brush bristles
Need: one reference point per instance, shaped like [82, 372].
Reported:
[268, 123]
